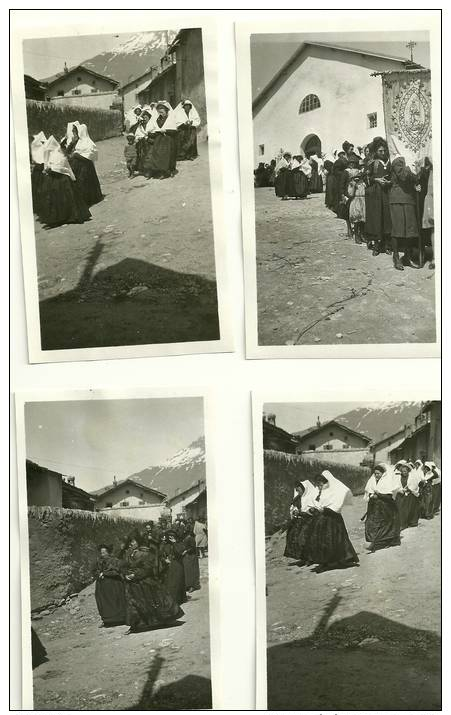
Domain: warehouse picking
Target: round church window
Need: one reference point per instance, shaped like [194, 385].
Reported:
[309, 103]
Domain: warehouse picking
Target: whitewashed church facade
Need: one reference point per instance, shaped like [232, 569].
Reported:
[321, 97]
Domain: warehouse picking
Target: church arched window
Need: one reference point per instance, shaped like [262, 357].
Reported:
[310, 102]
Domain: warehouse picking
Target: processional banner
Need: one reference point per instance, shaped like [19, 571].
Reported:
[407, 114]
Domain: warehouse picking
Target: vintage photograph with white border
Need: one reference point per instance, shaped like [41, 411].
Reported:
[327, 608]
[310, 94]
[119, 263]
[102, 647]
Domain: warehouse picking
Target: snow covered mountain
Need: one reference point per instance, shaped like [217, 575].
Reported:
[384, 418]
[183, 470]
[132, 57]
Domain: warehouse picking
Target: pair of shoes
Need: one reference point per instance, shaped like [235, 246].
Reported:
[398, 265]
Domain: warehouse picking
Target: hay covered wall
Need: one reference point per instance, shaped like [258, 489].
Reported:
[281, 471]
[63, 550]
[52, 118]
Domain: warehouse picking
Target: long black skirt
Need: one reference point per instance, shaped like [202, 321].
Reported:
[149, 604]
[161, 161]
[329, 542]
[36, 185]
[60, 201]
[110, 598]
[186, 142]
[299, 184]
[175, 581]
[192, 573]
[315, 182]
[408, 509]
[298, 534]
[87, 179]
[377, 213]
[382, 528]
[330, 198]
[437, 497]
[426, 500]
[281, 183]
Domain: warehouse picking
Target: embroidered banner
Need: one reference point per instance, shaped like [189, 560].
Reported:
[407, 112]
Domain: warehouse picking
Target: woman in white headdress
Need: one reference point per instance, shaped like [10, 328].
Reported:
[82, 153]
[436, 486]
[316, 179]
[37, 167]
[60, 200]
[382, 527]
[300, 169]
[161, 129]
[283, 175]
[408, 496]
[187, 120]
[428, 496]
[300, 522]
[131, 119]
[329, 544]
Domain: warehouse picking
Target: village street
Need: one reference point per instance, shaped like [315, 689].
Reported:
[141, 270]
[92, 668]
[365, 638]
[317, 287]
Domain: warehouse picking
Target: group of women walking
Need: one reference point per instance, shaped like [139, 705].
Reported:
[159, 136]
[64, 180]
[385, 203]
[396, 498]
[150, 577]
[293, 176]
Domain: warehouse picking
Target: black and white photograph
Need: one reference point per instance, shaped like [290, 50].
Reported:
[119, 181]
[338, 199]
[115, 533]
[349, 498]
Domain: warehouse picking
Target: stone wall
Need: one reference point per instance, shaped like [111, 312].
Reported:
[281, 471]
[63, 550]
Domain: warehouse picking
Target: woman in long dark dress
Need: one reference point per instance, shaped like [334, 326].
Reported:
[298, 186]
[403, 211]
[329, 544]
[329, 196]
[408, 496]
[161, 161]
[282, 179]
[173, 575]
[60, 200]
[315, 181]
[37, 167]
[109, 590]
[148, 602]
[377, 206]
[436, 483]
[427, 492]
[187, 120]
[82, 153]
[191, 563]
[301, 522]
[382, 528]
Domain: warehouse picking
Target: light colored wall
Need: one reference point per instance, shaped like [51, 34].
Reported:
[100, 100]
[382, 453]
[129, 94]
[337, 439]
[134, 497]
[68, 83]
[353, 457]
[178, 503]
[150, 512]
[347, 94]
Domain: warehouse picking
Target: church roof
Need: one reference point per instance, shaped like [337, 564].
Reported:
[288, 67]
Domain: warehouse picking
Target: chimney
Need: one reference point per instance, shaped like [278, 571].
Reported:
[66, 69]
[318, 422]
[114, 480]
[71, 481]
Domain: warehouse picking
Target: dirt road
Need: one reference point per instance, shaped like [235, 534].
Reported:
[365, 638]
[92, 668]
[307, 271]
[142, 270]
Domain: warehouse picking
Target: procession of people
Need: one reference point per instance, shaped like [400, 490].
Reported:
[386, 204]
[396, 498]
[64, 179]
[145, 581]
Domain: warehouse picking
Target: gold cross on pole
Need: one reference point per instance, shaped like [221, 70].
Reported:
[411, 44]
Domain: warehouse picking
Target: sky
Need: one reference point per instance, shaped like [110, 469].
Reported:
[297, 416]
[95, 440]
[270, 51]
[45, 57]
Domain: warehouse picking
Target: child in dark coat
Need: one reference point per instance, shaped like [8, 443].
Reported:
[130, 154]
